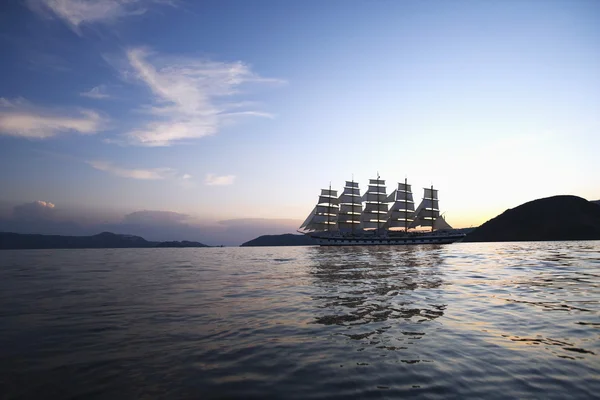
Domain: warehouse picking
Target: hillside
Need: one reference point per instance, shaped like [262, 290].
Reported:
[287, 239]
[551, 218]
[100, 241]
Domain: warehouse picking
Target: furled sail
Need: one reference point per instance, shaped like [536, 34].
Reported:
[402, 212]
[350, 207]
[375, 214]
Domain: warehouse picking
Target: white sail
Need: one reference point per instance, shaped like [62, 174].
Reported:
[328, 192]
[319, 218]
[376, 189]
[349, 198]
[372, 224]
[391, 197]
[315, 226]
[307, 220]
[351, 191]
[376, 197]
[351, 208]
[440, 223]
[328, 209]
[418, 211]
[428, 211]
[401, 215]
[429, 203]
[396, 223]
[376, 208]
[348, 225]
[402, 211]
[328, 200]
[324, 215]
[404, 187]
[403, 196]
[430, 193]
[375, 214]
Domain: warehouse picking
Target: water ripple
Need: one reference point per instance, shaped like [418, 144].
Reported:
[308, 322]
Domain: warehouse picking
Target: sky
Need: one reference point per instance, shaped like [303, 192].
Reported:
[222, 120]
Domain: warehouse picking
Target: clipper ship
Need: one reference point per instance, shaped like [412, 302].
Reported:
[342, 220]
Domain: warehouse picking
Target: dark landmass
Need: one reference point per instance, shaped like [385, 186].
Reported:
[596, 202]
[287, 239]
[104, 240]
[551, 218]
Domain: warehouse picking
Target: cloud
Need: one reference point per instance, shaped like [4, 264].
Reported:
[45, 218]
[134, 173]
[188, 96]
[186, 182]
[97, 92]
[34, 210]
[21, 118]
[151, 217]
[215, 180]
[78, 12]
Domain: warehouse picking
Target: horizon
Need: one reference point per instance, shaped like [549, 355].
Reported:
[225, 119]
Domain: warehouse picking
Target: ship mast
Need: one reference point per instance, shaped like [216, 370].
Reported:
[378, 208]
[350, 207]
[324, 215]
[432, 208]
[406, 206]
[376, 204]
[352, 215]
[402, 211]
[329, 210]
[428, 211]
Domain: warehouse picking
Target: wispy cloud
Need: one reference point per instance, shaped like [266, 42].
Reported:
[20, 118]
[216, 180]
[77, 12]
[97, 92]
[36, 209]
[186, 181]
[189, 95]
[134, 173]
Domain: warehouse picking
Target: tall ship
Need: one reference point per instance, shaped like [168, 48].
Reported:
[377, 218]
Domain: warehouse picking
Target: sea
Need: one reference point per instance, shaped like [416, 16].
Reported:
[466, 320]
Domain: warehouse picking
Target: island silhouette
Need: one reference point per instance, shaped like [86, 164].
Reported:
[562, 217]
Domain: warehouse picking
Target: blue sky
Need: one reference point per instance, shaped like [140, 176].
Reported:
[228, 110]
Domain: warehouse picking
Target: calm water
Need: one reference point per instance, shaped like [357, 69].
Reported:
[512, 320]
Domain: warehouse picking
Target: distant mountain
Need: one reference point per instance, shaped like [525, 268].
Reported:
[287, 239]
[100, 241]
[551, 218]
[595, 202]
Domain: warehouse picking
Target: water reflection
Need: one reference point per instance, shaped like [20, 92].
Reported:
[383, 297]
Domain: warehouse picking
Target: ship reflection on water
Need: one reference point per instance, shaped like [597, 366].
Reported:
[381, 297]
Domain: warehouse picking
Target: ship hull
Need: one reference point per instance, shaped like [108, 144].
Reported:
[334, 240]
